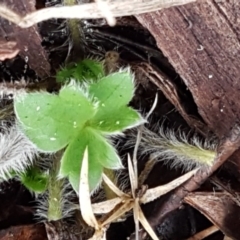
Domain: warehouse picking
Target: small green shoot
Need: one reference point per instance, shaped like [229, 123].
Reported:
[84, 70]
[34, 180]
[81, 115]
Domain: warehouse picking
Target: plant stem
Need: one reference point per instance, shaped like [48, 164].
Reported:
[76, 36]
[55, 191]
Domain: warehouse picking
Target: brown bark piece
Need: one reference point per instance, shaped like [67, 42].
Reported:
[8, 50]
[220, 209]
[201, 41]
[26, 232]
[169, 89]
[28, 40]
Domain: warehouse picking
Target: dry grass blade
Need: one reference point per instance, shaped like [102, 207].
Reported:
[136, 218]
[84, 194]
[146, 225]
[138, 140]
[133, 178]
[114, 188]
[153, 106]
[133, 181]
[227, 238]
[105, 206]
[205, 233]
[99, 234]
[119, 211]
[154, 193]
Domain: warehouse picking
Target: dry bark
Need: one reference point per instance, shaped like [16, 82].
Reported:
[201, 41]
[27, 232]
[28, 40]
[216, 207]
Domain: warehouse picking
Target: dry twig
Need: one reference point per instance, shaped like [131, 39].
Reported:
[89, 11]
[205, 233]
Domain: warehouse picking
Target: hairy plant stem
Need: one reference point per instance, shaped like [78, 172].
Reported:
[55, 191]
[76, 35]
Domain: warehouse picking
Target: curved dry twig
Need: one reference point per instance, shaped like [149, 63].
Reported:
[89, 11]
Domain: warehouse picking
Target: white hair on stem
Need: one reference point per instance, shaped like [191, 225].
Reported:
[60, 207]
[176, 149]
[16, 151]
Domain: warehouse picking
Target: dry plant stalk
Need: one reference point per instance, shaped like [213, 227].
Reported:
[90, 11]
[205, 233]
[117, 207]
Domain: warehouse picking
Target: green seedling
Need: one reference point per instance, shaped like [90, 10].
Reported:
[80, 115]
[34, 180]
[84, 70]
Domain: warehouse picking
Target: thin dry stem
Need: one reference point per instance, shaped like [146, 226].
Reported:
[84, 194]
[104, 8]
[114, 188]
[205, 233]
[89, 11]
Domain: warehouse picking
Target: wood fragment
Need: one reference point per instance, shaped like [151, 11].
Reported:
[28, 232]
[28, 40]
[59, 230]
[170, 90]
[201, 41]
[219, 209]
[8, 50]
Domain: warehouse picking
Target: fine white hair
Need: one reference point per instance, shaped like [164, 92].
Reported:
[16, 151]
[176, 148]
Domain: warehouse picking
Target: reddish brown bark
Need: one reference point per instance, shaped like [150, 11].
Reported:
[27, 232]
[28, 40]
[201, 41]
[216, 207]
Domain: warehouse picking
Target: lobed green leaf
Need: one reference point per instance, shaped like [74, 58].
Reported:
[116, 121]
[100, 154]
[50, 121]
[86, 69]
[89, 69]
[113, 91]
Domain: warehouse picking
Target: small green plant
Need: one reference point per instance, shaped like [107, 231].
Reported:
[84, 70]
[34, 179]
[85, 113]
[175, 149]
